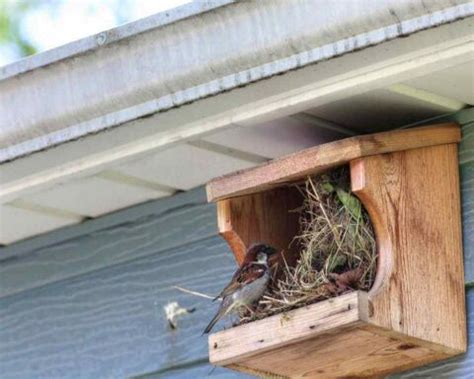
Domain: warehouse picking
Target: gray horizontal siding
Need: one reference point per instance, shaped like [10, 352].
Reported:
[198, 370]
[110, 323]
[466, 160]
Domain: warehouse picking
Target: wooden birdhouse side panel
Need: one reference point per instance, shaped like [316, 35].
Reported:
[413, 200]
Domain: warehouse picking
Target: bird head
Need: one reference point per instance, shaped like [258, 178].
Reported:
[259, 253]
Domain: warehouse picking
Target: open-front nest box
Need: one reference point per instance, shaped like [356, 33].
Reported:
[414, 314]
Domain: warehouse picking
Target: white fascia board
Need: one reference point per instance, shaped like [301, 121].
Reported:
[375, 67]
[156, 64]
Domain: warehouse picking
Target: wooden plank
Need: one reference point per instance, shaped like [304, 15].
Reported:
[350, 352]
[457, 368]
[261, 218]
[413, 200]
[317, 159]
[330, 339]
[235, 345]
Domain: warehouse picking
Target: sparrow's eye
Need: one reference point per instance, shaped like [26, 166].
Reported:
[269, 250]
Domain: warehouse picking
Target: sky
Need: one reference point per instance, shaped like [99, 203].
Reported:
[52, 23]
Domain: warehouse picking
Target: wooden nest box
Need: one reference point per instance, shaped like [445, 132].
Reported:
[414, 314]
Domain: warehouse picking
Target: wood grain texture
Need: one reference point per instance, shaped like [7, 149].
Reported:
[264, 217]
[246, 341]
[317, 159]
[330, 339]
[343, 354]
[413, 200]
[460, 367]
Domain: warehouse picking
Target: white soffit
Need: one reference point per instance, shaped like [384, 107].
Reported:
[94, 196]
[455, 82]
[189, 165]
[18, 223]
[375, 111]
[275, 138]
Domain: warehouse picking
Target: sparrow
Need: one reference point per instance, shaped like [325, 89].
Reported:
[248, 284]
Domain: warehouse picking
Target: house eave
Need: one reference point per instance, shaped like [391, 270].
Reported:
[163, 62]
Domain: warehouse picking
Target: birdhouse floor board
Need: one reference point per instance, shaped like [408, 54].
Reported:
[253, 338]
[329, 339]
[343, 352]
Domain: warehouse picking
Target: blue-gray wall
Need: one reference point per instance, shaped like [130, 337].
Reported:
[87, 301]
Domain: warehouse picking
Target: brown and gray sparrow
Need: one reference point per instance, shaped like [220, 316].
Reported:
[248, 283]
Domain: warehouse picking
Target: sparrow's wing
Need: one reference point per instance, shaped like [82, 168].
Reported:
[245, 275]
[232, 286]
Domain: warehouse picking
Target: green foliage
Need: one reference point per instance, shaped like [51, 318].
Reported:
[11, 13]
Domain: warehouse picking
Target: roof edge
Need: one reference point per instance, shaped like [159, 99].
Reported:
[119, 33]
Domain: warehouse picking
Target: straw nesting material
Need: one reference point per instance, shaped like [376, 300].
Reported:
[337, 244]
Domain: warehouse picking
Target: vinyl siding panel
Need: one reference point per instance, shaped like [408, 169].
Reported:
[111, 322]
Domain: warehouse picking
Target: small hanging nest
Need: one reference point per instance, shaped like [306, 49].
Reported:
[337, 243]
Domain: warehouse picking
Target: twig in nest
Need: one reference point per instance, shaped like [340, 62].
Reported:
[195, 293]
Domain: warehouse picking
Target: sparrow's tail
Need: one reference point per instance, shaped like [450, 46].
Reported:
[212, 323]
[223, 310]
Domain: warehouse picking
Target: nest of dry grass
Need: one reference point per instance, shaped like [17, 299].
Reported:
[337, 244]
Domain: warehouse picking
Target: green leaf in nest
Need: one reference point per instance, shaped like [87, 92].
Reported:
[350, 202]
[327, 187]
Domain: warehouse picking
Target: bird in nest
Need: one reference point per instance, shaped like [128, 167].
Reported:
[248, 284]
